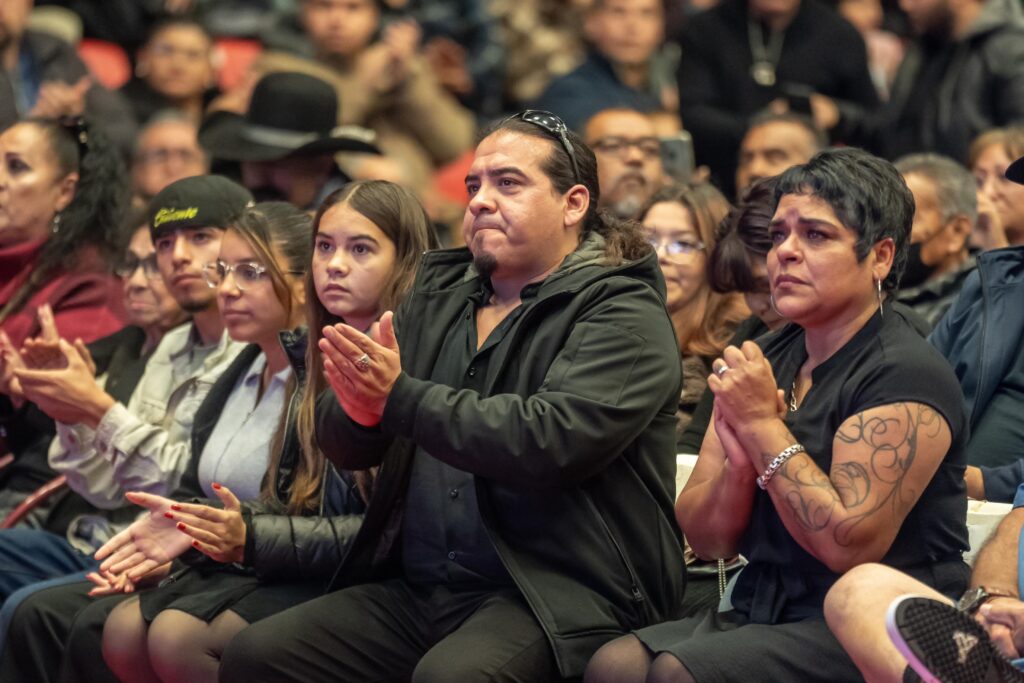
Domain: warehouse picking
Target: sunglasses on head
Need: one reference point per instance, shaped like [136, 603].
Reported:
[556, 127]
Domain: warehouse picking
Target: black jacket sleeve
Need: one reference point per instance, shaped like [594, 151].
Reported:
[298, 547]
[349, 446]
[604, 386]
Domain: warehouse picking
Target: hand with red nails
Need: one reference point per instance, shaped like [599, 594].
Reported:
[219, 534]
[151, 541]
[361, 369]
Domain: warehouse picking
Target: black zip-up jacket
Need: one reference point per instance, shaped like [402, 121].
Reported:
[572, 445]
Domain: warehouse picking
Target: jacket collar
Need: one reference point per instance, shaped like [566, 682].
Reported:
[449, 268]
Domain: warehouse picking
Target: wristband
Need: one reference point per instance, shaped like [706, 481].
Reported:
[777, 462]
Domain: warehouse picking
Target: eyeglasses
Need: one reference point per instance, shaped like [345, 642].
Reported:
[676, 247]
[131, 263]
[246, 274]
[649, 148]
[556, 127]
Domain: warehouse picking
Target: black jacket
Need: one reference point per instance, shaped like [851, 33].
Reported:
[276, 544]
[717, 95]
[943, 108]
[572, 444]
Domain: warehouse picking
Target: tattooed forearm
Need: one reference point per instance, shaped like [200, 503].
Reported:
[860, 488]
[814, 512]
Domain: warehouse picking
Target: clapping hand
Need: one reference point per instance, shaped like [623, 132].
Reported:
[70, 394]
[43, 352]
[362, 370]
[151, 541]
[10, 362]
[219, 534]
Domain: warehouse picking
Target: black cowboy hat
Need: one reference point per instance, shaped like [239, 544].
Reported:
[1015, 171]
[290, 114]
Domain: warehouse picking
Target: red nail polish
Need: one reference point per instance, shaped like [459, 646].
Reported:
[176, 507]
[168, 515]
[216, 486]
[181, 526]
[195, 544]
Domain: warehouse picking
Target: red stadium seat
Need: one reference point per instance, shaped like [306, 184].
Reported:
[233, 57]
[108, 62]
[34, 500]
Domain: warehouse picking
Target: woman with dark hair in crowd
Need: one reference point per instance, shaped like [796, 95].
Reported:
[368, 237]
[173, 70]
[737, 263]
[63, 190]
[841, 442]
[680, 222]
[1000, 201]
[62, 194]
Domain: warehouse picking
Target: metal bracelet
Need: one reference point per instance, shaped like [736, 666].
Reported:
[777, 462]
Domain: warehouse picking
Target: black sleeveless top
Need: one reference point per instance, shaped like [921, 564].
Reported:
[887, 361]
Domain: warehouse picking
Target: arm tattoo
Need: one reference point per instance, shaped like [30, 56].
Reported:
[861, 488]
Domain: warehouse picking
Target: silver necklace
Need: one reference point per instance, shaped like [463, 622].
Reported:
[792, 397]
[766, 58]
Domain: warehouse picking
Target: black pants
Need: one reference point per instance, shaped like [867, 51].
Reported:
[391, 631]
[56, 635]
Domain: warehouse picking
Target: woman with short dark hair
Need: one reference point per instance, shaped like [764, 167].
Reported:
[840, 442]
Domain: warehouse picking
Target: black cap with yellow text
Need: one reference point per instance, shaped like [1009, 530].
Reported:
[204, 201]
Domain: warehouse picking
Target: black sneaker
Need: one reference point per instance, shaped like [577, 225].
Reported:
[944, 645]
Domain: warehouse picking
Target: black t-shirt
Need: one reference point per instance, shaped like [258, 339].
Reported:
[887, 361]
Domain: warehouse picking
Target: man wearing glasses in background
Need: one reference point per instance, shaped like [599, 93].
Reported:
[628, 154]
[526, 412]
[167, 149]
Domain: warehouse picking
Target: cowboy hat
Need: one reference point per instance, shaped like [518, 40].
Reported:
[289, 115]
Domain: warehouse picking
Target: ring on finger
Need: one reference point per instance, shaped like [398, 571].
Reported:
[722, 369]
[363, 362]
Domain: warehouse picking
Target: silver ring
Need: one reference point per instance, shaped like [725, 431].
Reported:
[722, 369]
[363, 362]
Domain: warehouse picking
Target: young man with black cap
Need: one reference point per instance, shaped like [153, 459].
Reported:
[104, 447]
[884, 618]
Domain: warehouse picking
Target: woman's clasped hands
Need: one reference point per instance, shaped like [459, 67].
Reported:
[747, 402]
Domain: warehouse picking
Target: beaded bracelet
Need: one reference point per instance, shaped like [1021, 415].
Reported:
[777, 462]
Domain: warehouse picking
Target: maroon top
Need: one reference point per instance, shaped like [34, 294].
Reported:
[87, 302]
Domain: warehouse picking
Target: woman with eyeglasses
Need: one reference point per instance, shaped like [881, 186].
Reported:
[1000, 201]
[680, 222]
[738, 263]
[289, 534]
